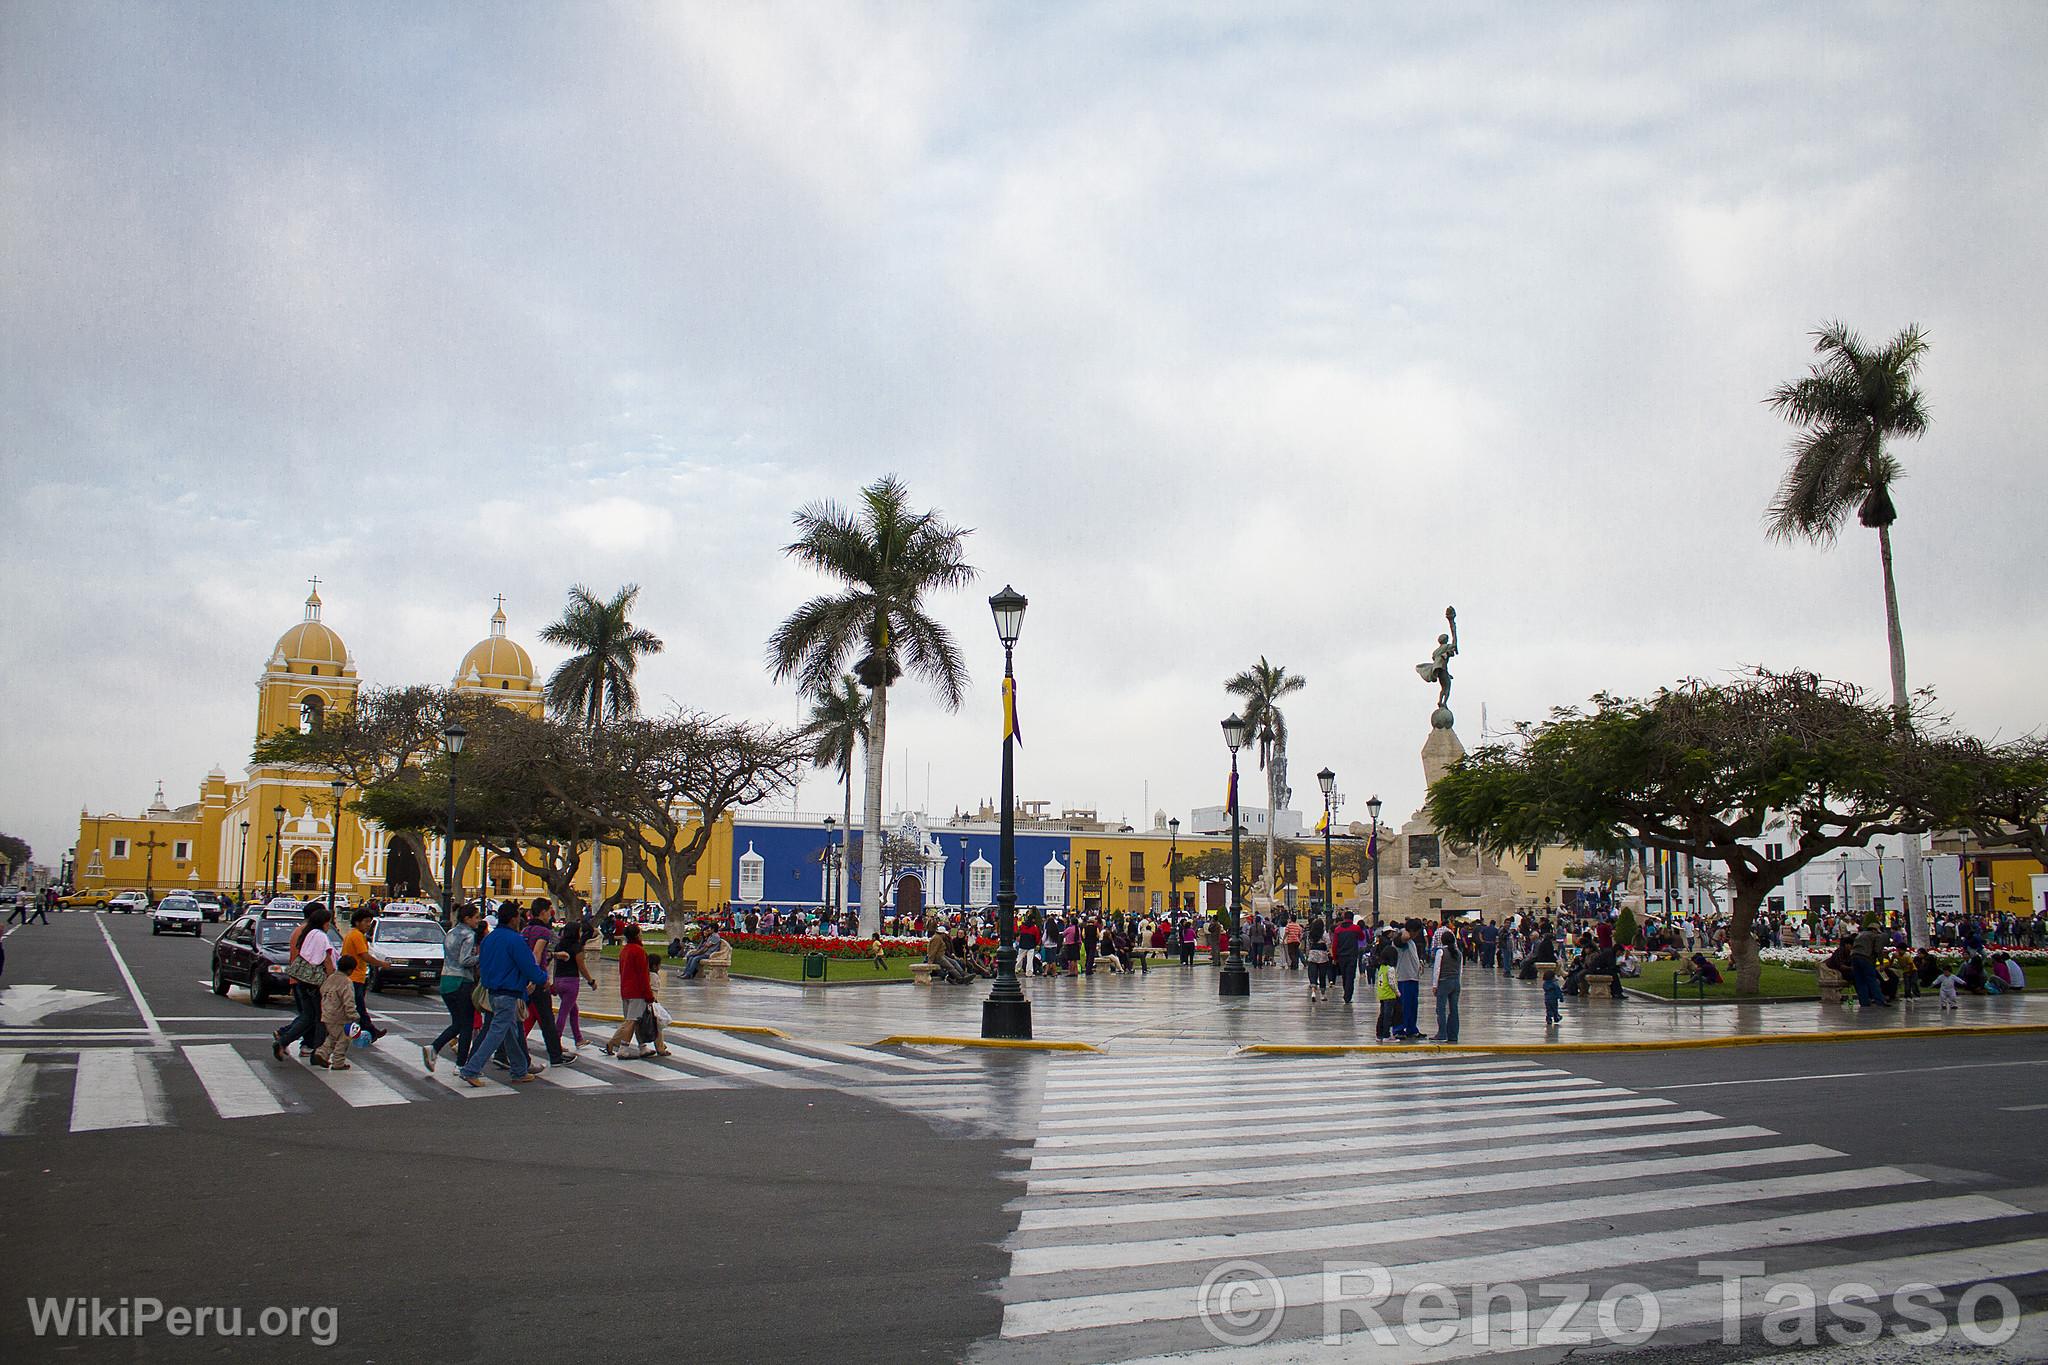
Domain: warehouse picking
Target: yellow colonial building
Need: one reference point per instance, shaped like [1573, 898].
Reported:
[286, 829]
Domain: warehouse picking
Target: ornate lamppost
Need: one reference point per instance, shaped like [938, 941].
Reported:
[334, 845]
[831, 861]
[1328, 781]
[1236, 979]
[1373, 848]
[242, 869]
[452, 736]
[1173, 866]
[1006, 1013]
[276, 846]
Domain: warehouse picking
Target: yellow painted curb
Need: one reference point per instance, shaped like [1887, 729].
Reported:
[759, 1029]
[1666, 1045]
[1020, 1044]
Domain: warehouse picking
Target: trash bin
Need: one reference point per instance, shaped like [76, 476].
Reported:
[814, 966]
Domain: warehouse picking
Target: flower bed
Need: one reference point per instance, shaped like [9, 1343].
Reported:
[1813, 957]
[845, 948]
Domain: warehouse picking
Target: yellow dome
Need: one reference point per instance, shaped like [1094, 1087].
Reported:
[311, 642]
[496, 661]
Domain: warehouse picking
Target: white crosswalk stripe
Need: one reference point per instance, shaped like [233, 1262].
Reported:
[116, 1087]
[1149, 1179]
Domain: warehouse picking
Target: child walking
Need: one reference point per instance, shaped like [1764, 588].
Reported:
[1948, 981]
[337, 1012]
[1553, 994]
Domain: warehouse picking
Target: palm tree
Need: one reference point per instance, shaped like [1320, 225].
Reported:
[839, 722]
[1262, 686]
[596, 680]
[887, 557]
[605, 649]
[1851, 403]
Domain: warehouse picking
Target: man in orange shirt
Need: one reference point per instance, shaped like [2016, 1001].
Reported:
[356, 944]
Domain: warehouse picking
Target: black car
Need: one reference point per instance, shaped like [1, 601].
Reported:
[252, 952]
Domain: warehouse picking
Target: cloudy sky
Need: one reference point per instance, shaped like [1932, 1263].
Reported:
[1231, 329]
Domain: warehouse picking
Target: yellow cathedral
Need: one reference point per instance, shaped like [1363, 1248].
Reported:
[276, 831]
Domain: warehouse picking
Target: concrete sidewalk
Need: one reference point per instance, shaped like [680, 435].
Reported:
[1176, 1009]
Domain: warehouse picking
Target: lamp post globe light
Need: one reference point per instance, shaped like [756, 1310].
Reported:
[334, 847]
[276, 846]
[1006, 1013]
[242, 869]
[1236, 978]
[1327, 780]
[1373, 806]
[452, 736]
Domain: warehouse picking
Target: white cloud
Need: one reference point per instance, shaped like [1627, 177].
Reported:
[1232, 332]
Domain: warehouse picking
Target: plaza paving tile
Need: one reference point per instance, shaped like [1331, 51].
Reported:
[1172, 1008]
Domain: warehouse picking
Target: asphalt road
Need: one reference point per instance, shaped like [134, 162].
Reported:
[772, 1220]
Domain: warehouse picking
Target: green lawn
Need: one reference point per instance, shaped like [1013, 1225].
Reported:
[1779, 982]
[790, 966]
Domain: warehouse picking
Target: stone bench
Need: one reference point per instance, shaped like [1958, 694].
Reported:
[1603, 984]
[921, 973]
[1831, 983]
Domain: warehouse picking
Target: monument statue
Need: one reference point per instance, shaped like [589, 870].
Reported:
[1438, 671]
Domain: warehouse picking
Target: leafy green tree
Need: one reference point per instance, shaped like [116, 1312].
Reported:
[838, 725]
[1260, 689]
[2006, 795]
[1708, 769]
[1626, 929]
[888, 559]
[1852, 404]
[15, 853]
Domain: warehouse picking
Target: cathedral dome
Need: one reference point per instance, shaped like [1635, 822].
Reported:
[496, 662]
[311, 641]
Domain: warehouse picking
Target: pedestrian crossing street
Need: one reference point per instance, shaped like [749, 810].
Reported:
[49, 1089]
[1183, 1209]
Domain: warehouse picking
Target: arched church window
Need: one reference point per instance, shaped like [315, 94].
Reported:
[311, 713]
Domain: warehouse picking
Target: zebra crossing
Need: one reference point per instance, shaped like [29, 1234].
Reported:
[1282, 1210]
[87, 1089]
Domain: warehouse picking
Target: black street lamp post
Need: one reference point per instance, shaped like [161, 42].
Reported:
[242, 869]
[1173, 866]
[1236, 978]
[831, 861]
[1006, 1013]
[334, 845]
[276, 847]
[1374, 807]
[1328, 781]
[452, 735]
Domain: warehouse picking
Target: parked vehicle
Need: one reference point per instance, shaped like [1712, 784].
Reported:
[210, 904]
[176, 913]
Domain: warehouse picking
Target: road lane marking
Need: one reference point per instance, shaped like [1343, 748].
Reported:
[1203, 1212]
[1041, 1317]
[1558, 1106]
[1350, 1237]
[358, 1087]
[1850, 1075]
[107, 1091]
[233, 1086]
[17, 1080]
[149, 1022]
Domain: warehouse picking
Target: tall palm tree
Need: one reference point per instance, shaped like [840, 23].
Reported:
[838, 724]
[1853, 401]
[888, 558]
[596, 680]
[1261, 687]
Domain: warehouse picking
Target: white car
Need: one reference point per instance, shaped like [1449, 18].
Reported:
[412, 945]
[283, 905]
[177, 913]
[410, 909]
[130, 902]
